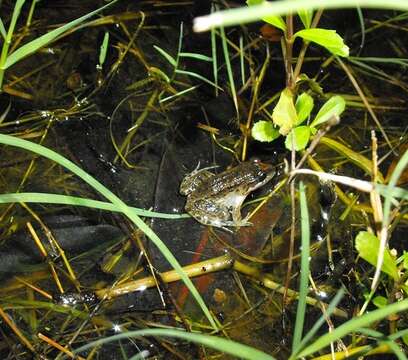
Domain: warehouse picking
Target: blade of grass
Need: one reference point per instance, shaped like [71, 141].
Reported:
[304, 268]
[383, 339]
[45, 39]
[195, 56]
[178, 94]
[77, 201]
[312, 332]
[242, 59]
[355, 157]
[118, 203]
[401, 165]
[353, 325]
[198, 76]
[229, 69]
[7, 41]
[257, 12]
[3, 30]
[380, 60]
[166, 55]
[214, 55]
[241, 351]
[362, 26]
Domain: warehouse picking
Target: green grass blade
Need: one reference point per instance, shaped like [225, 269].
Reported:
[3, 30]
[214, 56]
[195, 56]
[166, 55]
[233, 348]
[380, 60]
[16, 14]
[312, 332]
[395, 349]
[304, 268]
[45, 39]
[178, 94]
[353, 325]
[257, 12]
[362, 26]
[78, 201]
[401, 165]
[242, 59]
[382, 339]
[195, 75]
[229, 69]
[119, 204]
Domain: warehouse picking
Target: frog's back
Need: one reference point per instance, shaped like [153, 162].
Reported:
[243, 176]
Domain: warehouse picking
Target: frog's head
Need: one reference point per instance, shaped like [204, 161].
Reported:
[262, 173]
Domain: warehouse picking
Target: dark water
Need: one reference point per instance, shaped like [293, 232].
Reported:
[66, 103]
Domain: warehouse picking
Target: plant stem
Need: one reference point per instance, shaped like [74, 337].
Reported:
[305, 45]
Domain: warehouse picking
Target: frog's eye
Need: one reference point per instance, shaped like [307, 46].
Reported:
[256, 160]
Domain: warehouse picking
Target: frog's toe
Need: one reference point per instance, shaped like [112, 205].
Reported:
[243, 223]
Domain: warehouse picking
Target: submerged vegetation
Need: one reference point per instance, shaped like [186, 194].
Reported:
[104, 110]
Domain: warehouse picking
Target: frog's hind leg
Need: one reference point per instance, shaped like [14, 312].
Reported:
[207, 212]
[192, 181]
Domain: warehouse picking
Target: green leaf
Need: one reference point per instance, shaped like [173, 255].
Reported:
[33, 46]
[274, 20]
[284, 114]
[264, 131]
[306, 17]
[300, 135]
[104, 48]
[329, 39]
[332, 107]
[304, 106]
[405, 261]
[380, 301]
[368, 245]
[405, 339]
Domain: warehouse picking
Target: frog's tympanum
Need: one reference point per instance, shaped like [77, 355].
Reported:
[217, 199]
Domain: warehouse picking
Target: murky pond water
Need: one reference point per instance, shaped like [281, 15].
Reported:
[139, 120]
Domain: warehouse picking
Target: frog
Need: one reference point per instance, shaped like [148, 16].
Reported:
[216, 199]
